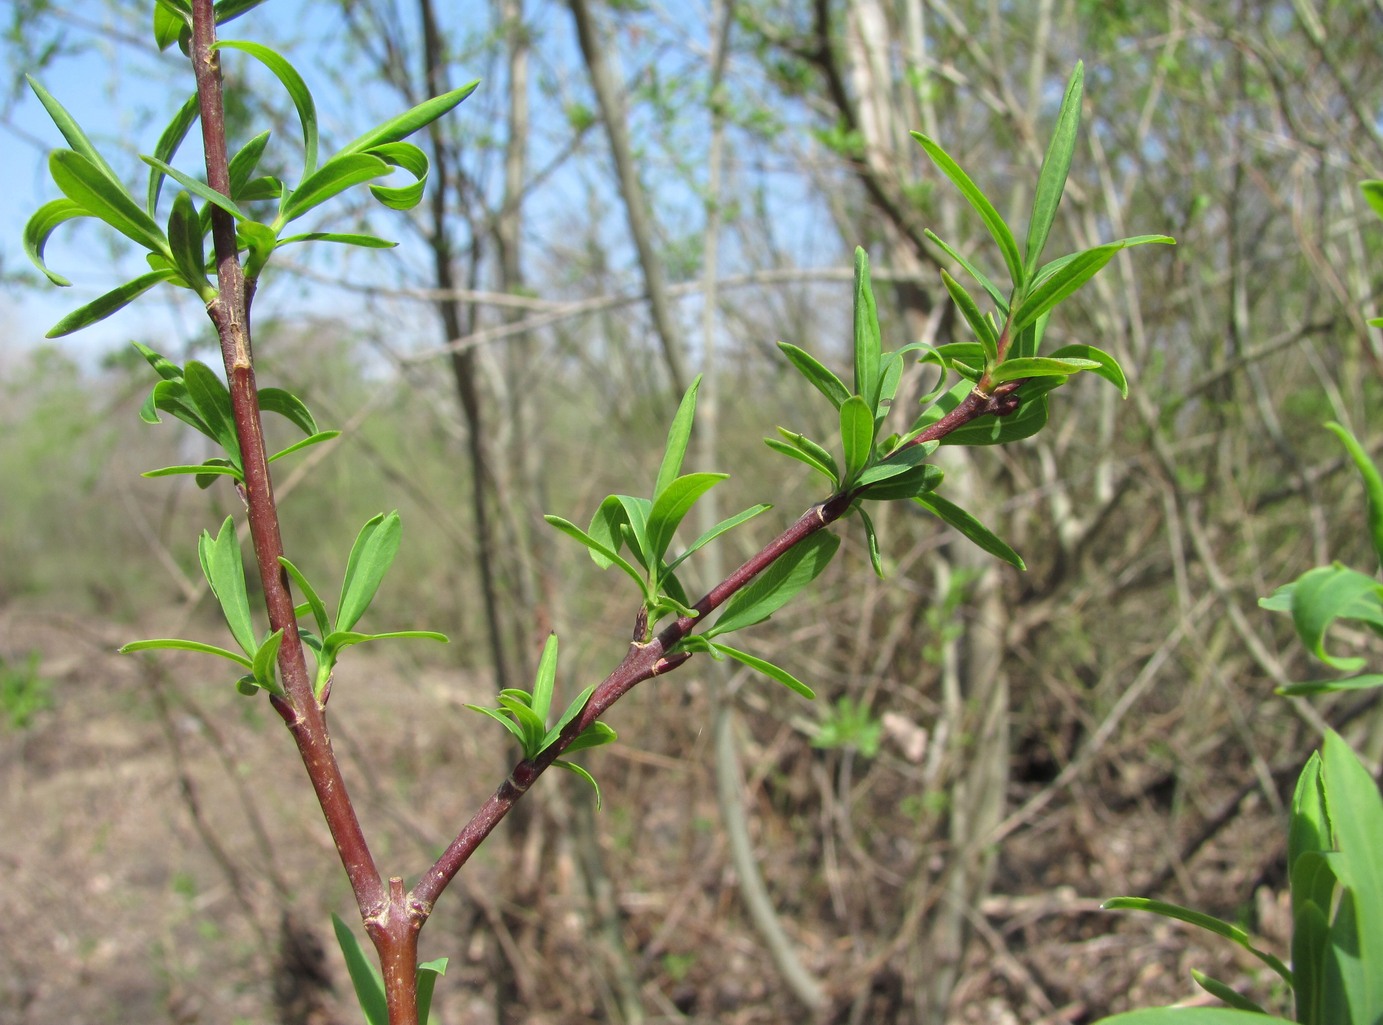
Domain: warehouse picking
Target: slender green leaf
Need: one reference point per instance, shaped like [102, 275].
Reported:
[198, 188]
[604, 555]
[1207, 922]
[856, 435]
[410, 121]
[71, 131]
[314, 601]
[224, 568]
[199, 469]
[169, 26]
[170, 140]
[1062, 284]
[1000, 299]
[84, 183]
[504, 720]
[1038, 366]
[546, 678]
[970, 527]
[243, 164]
[573, 710]
[868, 341]
[777, 585]
[729, 523]
[998, 230]
[1222, 991]
[1051, 180]
[261, 240]
[572, 767]
[209, 394]
[308, 442]
[41, 225]
[371, 556]
[411, 159]
[597, 734]
[678, 437]
[365, 977]
[768, 669]
[341, 172]
[871, 538]
[427, 981]
[163, 366]
[1107, 366]
[917, 480]
[1356, 818]
[816, 453]
[297, 92]
[343, 238]
[103, 306]
[1373, 484]
[288, 406]
[229, 10]
[185, 242]
[803, 457]
[821, 378]
[166, 643]
[984, 331]
[896, 464]
[1193, 1016]
[263, 670]
[673, 503]
[1366, 681]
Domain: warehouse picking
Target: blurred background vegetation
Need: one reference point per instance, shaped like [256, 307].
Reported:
[990, 753]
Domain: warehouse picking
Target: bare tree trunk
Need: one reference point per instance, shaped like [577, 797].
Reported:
[612, 112]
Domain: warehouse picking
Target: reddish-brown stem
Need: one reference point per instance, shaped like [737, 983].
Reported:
[229, 311]
[645, 661]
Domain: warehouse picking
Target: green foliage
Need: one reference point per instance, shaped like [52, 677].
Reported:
[1334, 833]
[177, 253]
[525, 713]
[369, 984]
[23, 692]
[851, 725]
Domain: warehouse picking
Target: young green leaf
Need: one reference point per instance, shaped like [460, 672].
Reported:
[173, 644]
[914, 481]
[224, 569]
[427, 981]
[983, 330]
[71, 131]
[371, 556]
[86, 185]
[308, 442]
[678, 437]
[970, 527]
[1000, 299]
[821, 378]
[1061, 285]
[1327, 593]
[209, 394]
[546, 679]
[729, 523]
[1222, 991]
[343, 238]
[597, 734]
[856, 435]
[803, 455]
[297, 92]
[263, 670]
[673, 503]
[871, 538]
[199, 469]
[1373, 484]
[198, 188]
[1207, 922]
[573, 710]
[365, 977]
[1038, 366]
[243, 164]
[169, 26]
[314, 601]
[405, 124]
[868, 340]
[341, 172]
[288, 406]
[1106, 365]
[603, 554]
[1365, 681]
[411, 159]
[777, 585]
[185, 241]
[768, 669]
[498, 716]
[1051, 180]
[894, 465]
[229, 10]
[998, 229]
[572, 767]
[169, 142]
[40, 226]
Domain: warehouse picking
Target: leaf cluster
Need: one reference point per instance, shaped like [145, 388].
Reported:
[525, 713]
[223, 566]
[176, 247]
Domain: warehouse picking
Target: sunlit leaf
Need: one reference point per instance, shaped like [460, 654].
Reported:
[405, 124]
[341, 172]
[982, 329]
[371, 556]
[411, 159]
[314, 601]
[243, 164]
[545, 679]
[856, 435]
[868, 341]
[1106, 365]
[678, 437]
[673, 503]
[821, 378]
[729, 523]
[224, 569]
[86, 185]
[777, 585]
[71, 131]
[173, 644]
[198, 188]
[969, 527]
[773, 672]
[1373, 484]
[604, 555]
[297, 92]
[186, 243]
[998, 229]
[103, 306]
[999, 297]
[365, 977]
[1051, 180]
[1038, 366]
[40, 226]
